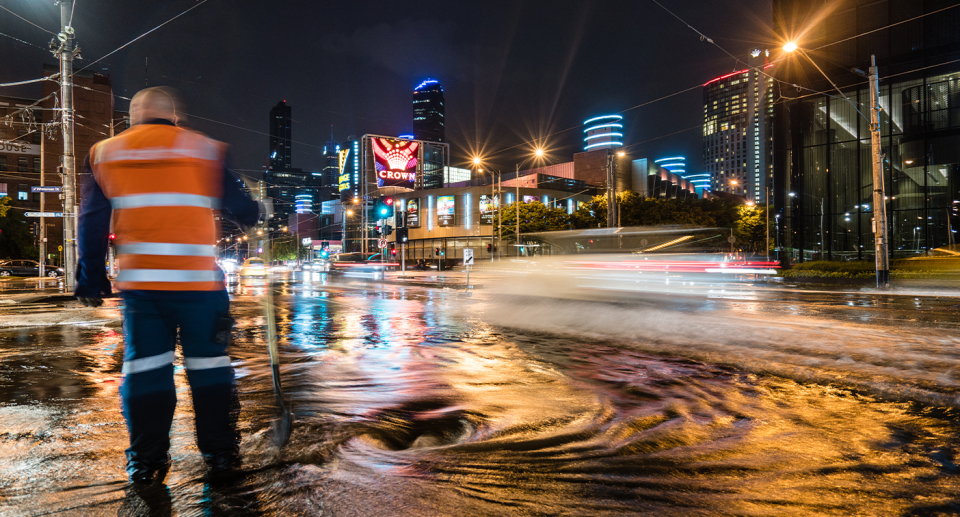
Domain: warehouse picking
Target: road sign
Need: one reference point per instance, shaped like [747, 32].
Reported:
[731, 239]
[382, 243]
[45, 189]
[60, 248]
[468, 256]
[44, 214]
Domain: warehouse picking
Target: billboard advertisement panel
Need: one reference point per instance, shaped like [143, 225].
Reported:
[413, 213]
[395, 162]
[446, 211]
[488, 209]
[344, 183]
[531, 199]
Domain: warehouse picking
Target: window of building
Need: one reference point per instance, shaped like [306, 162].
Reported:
[22, 164]
[3, 163]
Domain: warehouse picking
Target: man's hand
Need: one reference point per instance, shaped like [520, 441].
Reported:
[90, 302]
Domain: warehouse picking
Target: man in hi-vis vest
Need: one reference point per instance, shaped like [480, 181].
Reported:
[163, 186]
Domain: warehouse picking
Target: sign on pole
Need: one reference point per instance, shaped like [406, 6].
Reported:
[468, 256]
[43, 214]
[382, 243]
[35, 188]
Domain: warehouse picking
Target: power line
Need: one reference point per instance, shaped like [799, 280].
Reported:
[28, 21]
[140, 36]
[887, 27]
[21, 41]
[29, 81]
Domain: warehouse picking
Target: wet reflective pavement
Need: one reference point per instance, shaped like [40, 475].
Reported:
[423, 401]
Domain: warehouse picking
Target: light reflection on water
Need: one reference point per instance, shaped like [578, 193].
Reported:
[409, 402]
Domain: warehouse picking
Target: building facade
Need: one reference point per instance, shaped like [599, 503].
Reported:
[330, 172]
[603, 132]
[281, 132]
[823, 170]
[738, 130]
[428, 112]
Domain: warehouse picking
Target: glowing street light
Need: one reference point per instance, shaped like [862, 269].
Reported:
[790, 47]
[539, 153]
[476, 160]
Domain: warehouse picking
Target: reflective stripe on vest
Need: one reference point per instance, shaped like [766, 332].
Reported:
[169, 275]
[185, 146]
[206, 363]
[167, 248]
[153, 200]
[145, 364]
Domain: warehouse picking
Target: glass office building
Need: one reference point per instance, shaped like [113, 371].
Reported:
[823, 177]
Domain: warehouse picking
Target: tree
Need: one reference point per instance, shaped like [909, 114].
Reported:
[534, 217]
[751, 228]
[285, 248]
[636, 210]
[17, 240]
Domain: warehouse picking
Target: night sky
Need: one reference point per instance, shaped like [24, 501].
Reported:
[513, 72]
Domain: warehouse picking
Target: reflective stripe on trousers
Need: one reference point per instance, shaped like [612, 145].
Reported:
[145, 364]
[165, 199]
[170, 275]
[167, 248]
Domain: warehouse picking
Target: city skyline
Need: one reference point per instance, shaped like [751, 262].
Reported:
[535, 82]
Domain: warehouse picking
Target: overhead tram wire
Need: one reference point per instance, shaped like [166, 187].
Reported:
[22, 41]
[201, 2]
[28, 21]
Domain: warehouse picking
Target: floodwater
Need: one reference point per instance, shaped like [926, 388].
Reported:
[422, 401]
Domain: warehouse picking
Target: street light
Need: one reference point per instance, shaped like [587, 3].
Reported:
[766, 190]
[537, 154]
[880, 208]
[493, 193]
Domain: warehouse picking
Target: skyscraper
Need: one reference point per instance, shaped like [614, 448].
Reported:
[428, 112]
[330, 173]
[737, 130]
[280, 152]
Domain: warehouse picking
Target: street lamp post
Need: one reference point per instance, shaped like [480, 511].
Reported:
[538, 154]
[879, 198]
[823, 237]
[493, 196]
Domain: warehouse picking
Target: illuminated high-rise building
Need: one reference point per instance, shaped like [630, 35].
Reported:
[281, 151]
[330, 172]
[738, 130]
[428, 112]
[603, 132]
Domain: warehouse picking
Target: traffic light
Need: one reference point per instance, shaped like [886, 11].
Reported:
[436, 252]
[387, 230]
[393, 249]
[385, 208]
[399, 220]
[110, 238]
[489, 248]
[403, 234]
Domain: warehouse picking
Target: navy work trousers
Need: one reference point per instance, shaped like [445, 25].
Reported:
[152, 322]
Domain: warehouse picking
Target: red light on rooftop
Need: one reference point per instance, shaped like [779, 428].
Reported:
[722, 77]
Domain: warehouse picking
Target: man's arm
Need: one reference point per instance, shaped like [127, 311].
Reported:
[94, 231]
[237, 205]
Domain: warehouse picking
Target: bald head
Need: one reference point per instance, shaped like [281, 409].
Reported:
[153, 103]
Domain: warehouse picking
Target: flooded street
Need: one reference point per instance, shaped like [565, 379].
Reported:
[424, 401]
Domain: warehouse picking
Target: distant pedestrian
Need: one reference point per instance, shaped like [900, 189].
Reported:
[162, 186]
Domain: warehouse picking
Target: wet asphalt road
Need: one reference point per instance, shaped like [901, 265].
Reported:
[704, 399]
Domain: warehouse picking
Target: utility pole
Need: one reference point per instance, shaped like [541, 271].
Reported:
[66, 53]
[499, 214]
[516, 204]
[611, 191]
[879, 201]
[43, 222]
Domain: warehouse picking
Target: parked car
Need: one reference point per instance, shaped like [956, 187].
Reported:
[253, 267]
[27, 268]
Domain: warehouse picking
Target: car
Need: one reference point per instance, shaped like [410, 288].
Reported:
[28, 268]
[318, 265]
[253, 267]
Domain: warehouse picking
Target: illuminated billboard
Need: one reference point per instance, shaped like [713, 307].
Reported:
[395, 162]
[413, 213]
[531, 199]
[344, 183]
[446, 211]
[488, 208]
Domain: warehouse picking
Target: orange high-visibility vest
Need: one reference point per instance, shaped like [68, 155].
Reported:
[165, 185]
